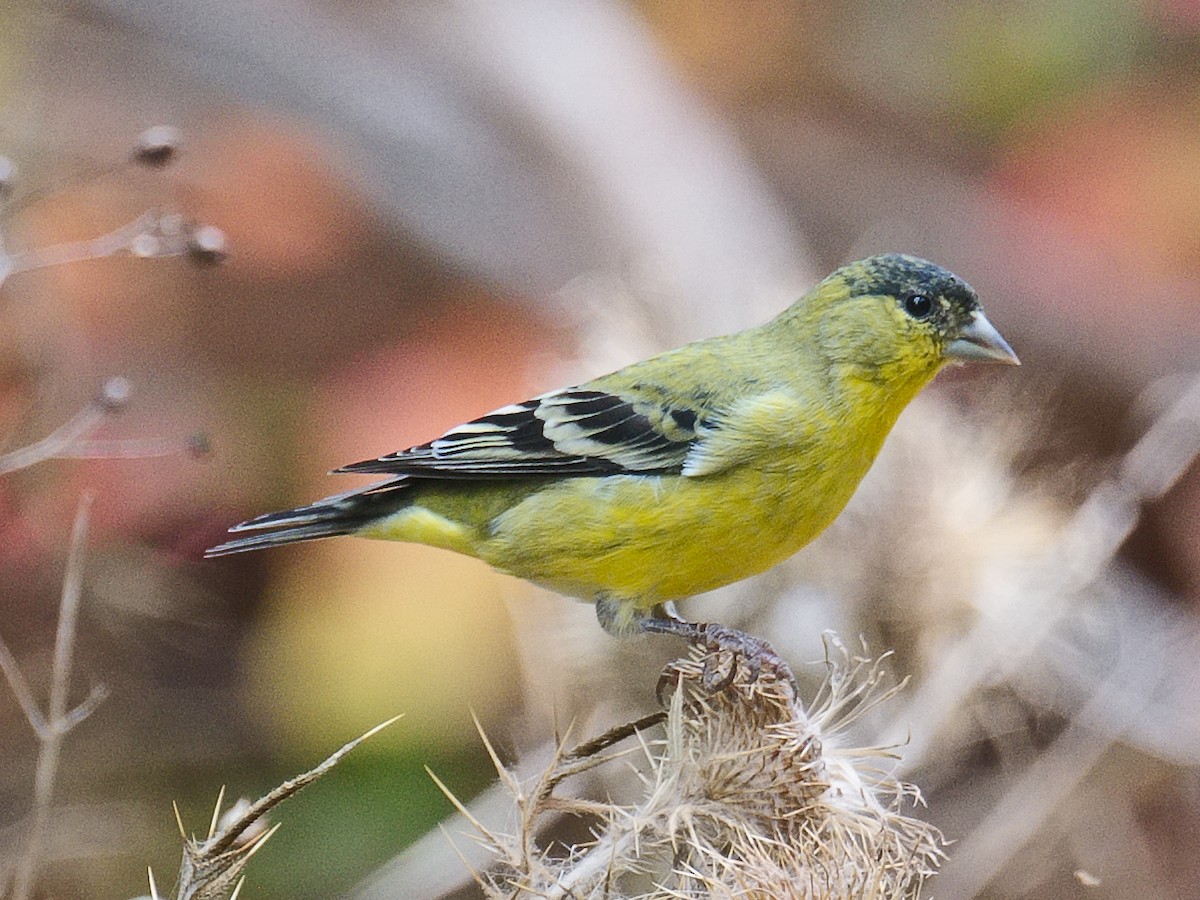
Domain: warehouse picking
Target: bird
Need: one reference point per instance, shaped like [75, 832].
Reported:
[679, 474]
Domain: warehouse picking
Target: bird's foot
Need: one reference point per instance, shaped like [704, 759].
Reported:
[759, 656]
[729, 653]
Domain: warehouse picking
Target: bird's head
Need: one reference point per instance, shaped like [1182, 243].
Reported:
[899, 319]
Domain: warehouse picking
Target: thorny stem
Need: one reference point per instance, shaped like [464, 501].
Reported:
[581, 757]
[614, 736]
[58, 720]
[211, 864]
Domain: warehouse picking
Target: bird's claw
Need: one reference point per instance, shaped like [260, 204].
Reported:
[720, 668]
[731, 658]
[755, 654]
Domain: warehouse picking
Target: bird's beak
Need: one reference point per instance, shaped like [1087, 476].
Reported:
[979, 341]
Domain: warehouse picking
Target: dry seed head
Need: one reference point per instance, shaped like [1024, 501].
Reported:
[744, 797]
[115, 393]
[750, 747]
[206, 244]
[157, 146]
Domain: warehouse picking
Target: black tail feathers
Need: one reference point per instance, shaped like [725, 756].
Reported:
[277, 538]
[332, 516]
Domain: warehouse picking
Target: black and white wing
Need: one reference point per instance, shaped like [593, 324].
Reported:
[574, 431]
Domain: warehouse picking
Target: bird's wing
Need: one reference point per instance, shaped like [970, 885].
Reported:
[756, 427]
[574, 431]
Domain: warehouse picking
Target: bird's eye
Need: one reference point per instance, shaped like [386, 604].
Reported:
[918, 306]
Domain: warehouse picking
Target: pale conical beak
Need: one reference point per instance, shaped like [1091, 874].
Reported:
[979, 341]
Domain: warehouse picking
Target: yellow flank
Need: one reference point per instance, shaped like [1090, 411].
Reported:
[684, 472]
[643, 539]
[419, 525]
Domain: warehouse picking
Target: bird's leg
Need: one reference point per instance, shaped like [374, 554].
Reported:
[758, 655]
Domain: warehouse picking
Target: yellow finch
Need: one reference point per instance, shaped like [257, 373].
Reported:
[676, 475]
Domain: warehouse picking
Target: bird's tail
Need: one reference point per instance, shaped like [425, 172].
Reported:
[340, 514]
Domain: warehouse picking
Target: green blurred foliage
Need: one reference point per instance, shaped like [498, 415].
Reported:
[355, 818]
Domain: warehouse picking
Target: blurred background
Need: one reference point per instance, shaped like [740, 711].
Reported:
[433, 209]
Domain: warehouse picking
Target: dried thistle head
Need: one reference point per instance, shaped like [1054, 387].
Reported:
[213, 867]
[747, 795]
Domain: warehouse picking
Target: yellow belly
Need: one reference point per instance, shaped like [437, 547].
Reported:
[647, 539]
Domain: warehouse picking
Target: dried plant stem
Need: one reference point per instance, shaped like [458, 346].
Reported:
[116, 241]
[20, 688]
[614, 736]
[151, 235]
[56, 444]
[70, 440]
[59, 720]
[583, 757]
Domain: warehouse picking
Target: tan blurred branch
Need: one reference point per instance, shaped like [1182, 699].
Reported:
[1042, 788]
[1051, 587]
[1026, 607]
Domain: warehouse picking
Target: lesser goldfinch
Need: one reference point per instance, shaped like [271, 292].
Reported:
[681, 473]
